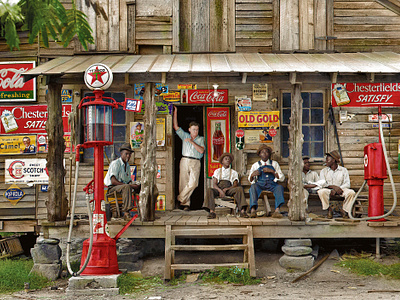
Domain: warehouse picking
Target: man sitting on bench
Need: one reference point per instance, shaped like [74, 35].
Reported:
[336, 182]
[264, 175]
[225, 183]
[119, 179]
[311, 182]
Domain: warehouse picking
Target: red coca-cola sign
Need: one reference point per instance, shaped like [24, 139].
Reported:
[207, 96]
[239, 133]
[12, 85]
[272, 132]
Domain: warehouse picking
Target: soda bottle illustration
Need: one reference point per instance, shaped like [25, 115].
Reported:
[218, 141]
[340, 94]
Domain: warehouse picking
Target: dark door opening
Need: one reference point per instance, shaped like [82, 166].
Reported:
[187, 114]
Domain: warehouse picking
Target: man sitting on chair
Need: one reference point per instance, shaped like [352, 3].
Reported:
[225, 183]
[118, 179]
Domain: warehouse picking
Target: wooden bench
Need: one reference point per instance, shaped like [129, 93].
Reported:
[246, 232]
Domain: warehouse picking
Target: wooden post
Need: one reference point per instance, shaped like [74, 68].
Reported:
[57, 203]
[297, 207]
[149, 191]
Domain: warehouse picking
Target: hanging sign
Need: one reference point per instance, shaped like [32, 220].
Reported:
[134, 105]
[258, 119]
[239, 139]
[243, 103]
[207, 97]
[29, 119]
[218, 136]
[17, 144]
[365, 94]
[260, 92]
[12, 85]
[28, 171]
[14, 194]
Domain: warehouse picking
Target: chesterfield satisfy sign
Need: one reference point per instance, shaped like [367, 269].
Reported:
[12, 85]
[207, 97]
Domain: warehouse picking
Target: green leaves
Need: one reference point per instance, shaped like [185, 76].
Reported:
[43, 18]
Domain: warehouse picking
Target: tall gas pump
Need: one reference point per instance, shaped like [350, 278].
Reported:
[99, 255]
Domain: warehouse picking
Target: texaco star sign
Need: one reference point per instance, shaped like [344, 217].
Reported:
[98, 77]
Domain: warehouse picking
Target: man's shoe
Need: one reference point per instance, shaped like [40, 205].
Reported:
[277, 215]
[186, 208]
[343, 214]
[211, 215]
[243, 215]
[253, 214]
[127, 216]
[330, 214]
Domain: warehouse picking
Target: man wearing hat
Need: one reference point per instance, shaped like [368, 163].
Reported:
[311, 182]
[336, 182]
[264, 176]
[119, 179]
[225, 183]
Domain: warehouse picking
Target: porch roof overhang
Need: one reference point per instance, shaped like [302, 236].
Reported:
[245, 63]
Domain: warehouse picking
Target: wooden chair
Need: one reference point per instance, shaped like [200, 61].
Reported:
[114, 198]
[227, 201]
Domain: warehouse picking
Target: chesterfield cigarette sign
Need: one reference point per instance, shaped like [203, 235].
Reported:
[12, 85]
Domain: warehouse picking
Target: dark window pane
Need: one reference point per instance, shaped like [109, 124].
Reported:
[285, 150]
[119, 133]
[317, 133]
[285, 133]
[119, 97]
[286, 97]
[317, 116]
[306, 133]
[286, 116]
[88, 153]
[317, 149]
[306, 148]
[306, 99]
[306, 116]
[119, 116]
[317, 100]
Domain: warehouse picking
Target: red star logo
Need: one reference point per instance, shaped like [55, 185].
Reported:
[97, 75]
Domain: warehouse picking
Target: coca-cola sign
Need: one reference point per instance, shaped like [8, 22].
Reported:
[217, 114]
[12, 85]
[207, 96]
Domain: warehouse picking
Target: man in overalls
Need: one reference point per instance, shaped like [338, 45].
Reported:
[264, 176]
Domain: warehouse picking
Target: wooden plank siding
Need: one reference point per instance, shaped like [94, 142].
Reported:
[365, 26]
[254, 24]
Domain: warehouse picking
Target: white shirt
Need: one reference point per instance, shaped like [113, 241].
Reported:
[226, 174]
[312, 178]
[269, 162]
[120, 170]
[339, 177]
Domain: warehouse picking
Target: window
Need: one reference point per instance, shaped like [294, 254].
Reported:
[119, 129]
[313, 124]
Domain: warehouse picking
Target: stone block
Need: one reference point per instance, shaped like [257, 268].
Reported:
[299, 263]
[51, 271]
[93, 282]
[46, 253]
[296, 251]
[130, 266]
[129, 257]
[298, 242]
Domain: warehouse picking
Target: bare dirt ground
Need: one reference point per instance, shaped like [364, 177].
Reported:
[327, 282]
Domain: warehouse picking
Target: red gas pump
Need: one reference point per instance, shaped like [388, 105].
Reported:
[375, 173]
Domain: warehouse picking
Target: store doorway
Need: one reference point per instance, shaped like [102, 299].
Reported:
[187, 114]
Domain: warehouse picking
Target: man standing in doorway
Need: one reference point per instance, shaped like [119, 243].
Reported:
[190, 165]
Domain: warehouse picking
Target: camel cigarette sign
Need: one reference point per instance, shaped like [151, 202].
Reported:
[12, 85]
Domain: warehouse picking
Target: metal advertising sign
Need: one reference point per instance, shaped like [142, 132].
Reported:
[66, 96]
[258, 119]
[98, 77]
[207, 97]
[28, 171]
[12, 86]
[243, 103]
[365, 94]
[18, 144]
[29, 119]
[14, 194]
[260, 92]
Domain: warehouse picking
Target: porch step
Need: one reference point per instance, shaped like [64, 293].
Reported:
[246, 232]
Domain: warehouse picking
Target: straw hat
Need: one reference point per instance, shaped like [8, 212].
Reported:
[262, 147]
[126, 146]
[335, 155]
[223, 155]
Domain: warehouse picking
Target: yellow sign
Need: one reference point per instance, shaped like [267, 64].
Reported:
[257, 136]
[160, 132]
[187, 86]
[172, 97]
[258, 119]
[14, 194]
[17, 144]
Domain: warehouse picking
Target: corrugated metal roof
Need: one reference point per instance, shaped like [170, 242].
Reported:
[372, 62]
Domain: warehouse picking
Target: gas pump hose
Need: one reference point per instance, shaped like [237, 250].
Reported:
[71, 224]
[390, 177]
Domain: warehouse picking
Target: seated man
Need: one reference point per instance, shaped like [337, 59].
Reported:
[225, 183]
[263, 176]
[311, 182]
[336, 182]
[118, 179]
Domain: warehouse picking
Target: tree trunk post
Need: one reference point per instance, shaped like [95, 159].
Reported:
[296, 205]
[149, 191]
[57, 203]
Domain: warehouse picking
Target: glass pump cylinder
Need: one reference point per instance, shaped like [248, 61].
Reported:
[99, 123]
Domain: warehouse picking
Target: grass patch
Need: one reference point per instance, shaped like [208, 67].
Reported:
[131, 283]
[367, 267]
[230, 275]
[15, 272]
